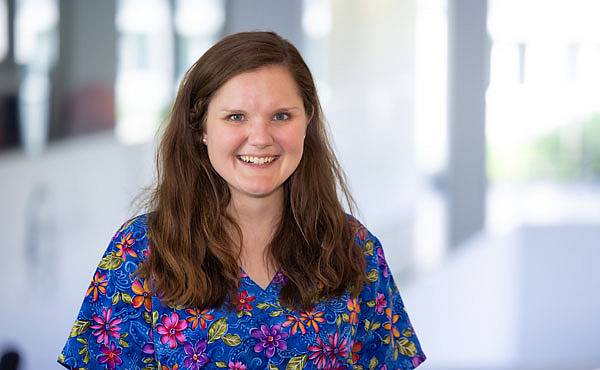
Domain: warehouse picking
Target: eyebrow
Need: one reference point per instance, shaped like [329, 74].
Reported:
[242, 111]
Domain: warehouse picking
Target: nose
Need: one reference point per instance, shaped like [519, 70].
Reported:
[259, 133]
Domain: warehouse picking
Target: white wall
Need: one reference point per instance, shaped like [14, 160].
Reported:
[57, 215]
[524, 301]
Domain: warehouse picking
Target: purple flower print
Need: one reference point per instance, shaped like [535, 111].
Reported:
[195, 357]
[269, 339]
[417, 360]
[148, 348]
[280, 278]
[381, 262]
[110, 356]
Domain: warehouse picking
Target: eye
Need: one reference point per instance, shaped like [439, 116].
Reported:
[281, 116]
[236, 117]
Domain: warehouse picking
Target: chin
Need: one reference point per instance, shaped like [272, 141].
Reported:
[260, 191]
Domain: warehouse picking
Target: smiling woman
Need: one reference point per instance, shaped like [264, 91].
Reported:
[255, 130]
[245, 258]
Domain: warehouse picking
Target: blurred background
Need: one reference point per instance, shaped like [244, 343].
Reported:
[469, 131]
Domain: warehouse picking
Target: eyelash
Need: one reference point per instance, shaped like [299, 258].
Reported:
[288, 116]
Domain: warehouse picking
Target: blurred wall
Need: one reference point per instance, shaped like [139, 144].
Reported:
[58, 214]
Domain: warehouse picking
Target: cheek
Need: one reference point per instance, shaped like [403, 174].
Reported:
[223, 143]
[293, 142]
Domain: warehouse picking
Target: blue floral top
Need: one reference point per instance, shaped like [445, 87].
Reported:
[122, 324]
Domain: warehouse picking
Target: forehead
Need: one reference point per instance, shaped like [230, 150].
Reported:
[262, 87]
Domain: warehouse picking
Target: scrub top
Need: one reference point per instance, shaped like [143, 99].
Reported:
[123, 324]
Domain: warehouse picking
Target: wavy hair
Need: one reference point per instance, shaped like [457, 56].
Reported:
[193, 257]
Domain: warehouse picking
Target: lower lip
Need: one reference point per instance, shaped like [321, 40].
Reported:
[254, 165]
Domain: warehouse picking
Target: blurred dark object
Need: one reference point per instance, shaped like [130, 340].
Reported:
[10, 134]
[10, 360]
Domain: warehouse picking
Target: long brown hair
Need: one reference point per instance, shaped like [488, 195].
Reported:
[193, 257]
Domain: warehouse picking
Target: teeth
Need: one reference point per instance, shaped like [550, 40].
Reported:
[256, 160]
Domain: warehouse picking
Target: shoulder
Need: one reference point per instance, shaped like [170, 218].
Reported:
[379, 275]
[367, 241]
[115, 317]
[130, 241]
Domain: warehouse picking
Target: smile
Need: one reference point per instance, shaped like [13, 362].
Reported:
[256, 160]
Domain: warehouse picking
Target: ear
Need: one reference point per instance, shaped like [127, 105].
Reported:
[310, 117]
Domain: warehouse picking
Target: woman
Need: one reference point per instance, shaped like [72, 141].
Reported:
[246, 259]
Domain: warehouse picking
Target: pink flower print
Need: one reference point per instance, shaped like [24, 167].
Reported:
[336, 347]
[236, 366]
[380, 303]
[195, 357]
[110, 356]
[269, 339]
[105, 327]
[326, 355]
[319, 354]
[171, 330]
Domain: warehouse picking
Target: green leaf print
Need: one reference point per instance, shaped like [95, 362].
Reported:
[122, 340]
[369, 248]
[116, 298]
[276, 313]
[232, 340]
[373, 363]
[126, 298]
[217, 329]
[372, 276]
[154, 318]
[85, 352]
[110, 262]
[406, 347]
[297, 362]
[221, 364]
[263, 306]
[79, 327]
[82, 340]
[273, 367]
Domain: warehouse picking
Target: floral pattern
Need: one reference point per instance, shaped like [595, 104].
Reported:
[122, 324]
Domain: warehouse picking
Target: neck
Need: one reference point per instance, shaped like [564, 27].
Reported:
[257, 212]
[258, 217]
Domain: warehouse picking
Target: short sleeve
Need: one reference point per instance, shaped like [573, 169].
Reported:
[385, 338]
[113, 329]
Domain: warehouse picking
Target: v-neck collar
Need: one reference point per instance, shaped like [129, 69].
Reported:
[275, 280]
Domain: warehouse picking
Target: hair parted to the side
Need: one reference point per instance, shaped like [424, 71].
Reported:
[193, 259]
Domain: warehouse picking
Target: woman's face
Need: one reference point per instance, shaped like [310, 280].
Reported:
[254, 132]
